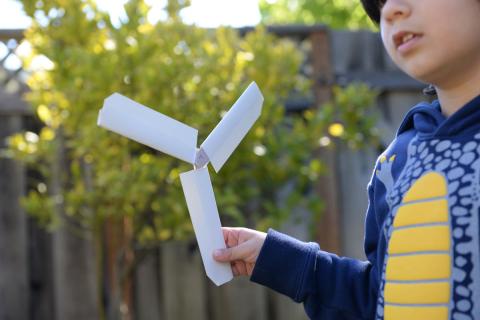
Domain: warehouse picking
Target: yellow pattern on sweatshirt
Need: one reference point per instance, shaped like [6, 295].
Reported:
[419, 262]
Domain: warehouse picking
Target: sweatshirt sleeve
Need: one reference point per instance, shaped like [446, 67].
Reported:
[331, 287]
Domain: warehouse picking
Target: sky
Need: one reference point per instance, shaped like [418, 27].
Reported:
[204, 13]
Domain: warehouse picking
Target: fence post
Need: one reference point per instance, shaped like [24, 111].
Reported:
[328, 230]
[14, 284]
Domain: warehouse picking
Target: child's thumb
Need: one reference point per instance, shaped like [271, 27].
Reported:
[231, 254]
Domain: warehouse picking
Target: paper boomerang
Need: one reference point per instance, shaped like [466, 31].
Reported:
[144, 125]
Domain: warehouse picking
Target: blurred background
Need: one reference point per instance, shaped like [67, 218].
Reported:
[94, 226]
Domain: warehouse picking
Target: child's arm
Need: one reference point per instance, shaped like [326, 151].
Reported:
[331, 287]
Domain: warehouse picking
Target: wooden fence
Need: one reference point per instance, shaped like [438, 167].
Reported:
[38, 267]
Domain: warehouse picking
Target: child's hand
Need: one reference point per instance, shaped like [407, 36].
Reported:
[243, 247]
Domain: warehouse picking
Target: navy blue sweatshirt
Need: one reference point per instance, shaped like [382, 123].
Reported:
[421, 232]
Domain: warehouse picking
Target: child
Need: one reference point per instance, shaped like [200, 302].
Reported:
[422, 224]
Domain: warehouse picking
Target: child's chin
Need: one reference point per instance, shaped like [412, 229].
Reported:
[420, 72]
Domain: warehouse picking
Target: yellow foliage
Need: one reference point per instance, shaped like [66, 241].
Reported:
[44, 114]
[336, 129]
[188, 73]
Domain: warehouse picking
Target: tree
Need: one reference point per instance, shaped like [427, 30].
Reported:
[126, 194]
[335, 14]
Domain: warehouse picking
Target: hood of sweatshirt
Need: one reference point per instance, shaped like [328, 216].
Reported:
[429, 122]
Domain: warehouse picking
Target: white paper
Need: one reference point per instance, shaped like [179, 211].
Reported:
[202, 207]
[137, 122]
[149, 127]
[230, 131]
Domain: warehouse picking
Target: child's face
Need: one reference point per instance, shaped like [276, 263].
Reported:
[434, 41]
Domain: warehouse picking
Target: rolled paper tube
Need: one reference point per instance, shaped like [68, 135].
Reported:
[236, 123]
[202, 207]
[149, 127]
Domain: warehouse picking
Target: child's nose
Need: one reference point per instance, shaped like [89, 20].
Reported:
[394, 10]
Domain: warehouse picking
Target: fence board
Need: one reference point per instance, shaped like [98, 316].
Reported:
[284, 308]
[183, 282]
[75, 281]
[238, 300]
[74, 276]
[148, 300]
[12, 105]
[41, 273]
[354, 199]
[14, 286]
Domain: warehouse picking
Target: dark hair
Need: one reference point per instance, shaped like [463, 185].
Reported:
[372, 7]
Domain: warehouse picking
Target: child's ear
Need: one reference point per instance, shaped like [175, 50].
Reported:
[430, 90]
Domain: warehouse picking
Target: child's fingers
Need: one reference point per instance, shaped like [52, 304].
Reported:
[231, 236]
[239, 268]
[226, 232]
[239, 252]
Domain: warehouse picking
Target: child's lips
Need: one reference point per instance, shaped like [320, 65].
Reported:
[404, 41]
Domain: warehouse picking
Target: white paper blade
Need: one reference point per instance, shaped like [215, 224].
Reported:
[202, 207]
[230, 131]
[149, 127]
